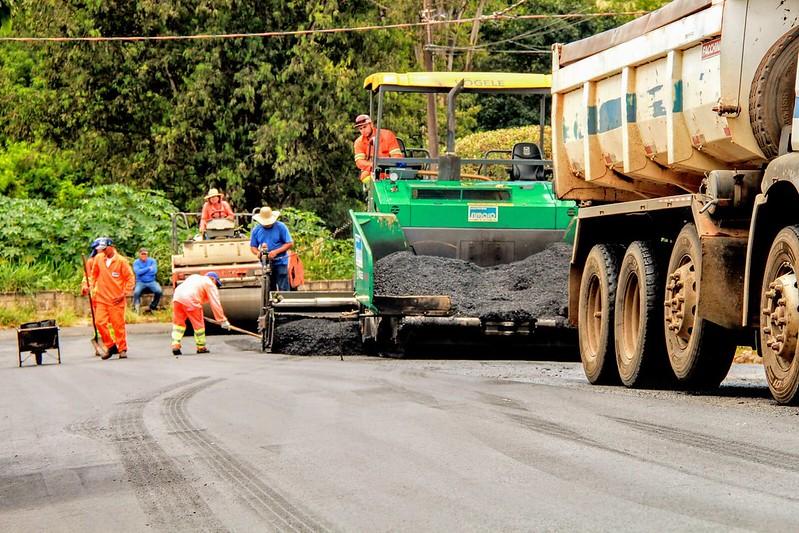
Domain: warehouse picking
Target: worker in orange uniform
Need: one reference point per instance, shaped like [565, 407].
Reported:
[214, 207]
[112, 280]
[187, 302]
[364, 146]
[84, 291]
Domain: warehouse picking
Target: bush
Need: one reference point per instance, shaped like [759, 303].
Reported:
[475, 145]
[43, 243]
[38, 171]
[323, 255]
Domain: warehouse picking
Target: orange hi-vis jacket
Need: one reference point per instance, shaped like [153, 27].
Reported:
[211, 211]
[364, 148]
[197, 290]
[113, 281]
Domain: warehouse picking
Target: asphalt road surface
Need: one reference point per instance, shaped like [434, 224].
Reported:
[238, 440]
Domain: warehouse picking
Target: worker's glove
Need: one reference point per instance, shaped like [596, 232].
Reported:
[225, 325]
[84, 291]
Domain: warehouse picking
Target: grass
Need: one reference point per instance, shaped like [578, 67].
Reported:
[42, 275]
[14, 315]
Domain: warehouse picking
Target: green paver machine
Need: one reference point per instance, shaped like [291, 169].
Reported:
[433, 207]
[447, 212]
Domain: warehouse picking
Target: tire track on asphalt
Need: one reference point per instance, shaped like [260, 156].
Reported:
[731, 448]
[244, 478]
[562, 432]
[166, 497]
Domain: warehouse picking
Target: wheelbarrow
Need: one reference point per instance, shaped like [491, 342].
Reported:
[37, 338]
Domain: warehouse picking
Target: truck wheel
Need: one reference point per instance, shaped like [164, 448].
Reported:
[595, 316]
[779, 323]
[700, 352]
[640, 348]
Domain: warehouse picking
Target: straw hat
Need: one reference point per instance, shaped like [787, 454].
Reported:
[212, 192]
[266, 217]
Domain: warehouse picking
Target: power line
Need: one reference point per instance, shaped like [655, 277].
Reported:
[298, 33]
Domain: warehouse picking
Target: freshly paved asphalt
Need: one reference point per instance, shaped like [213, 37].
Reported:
[239, 440]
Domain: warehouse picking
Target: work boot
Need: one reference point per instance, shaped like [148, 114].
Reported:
[123, 354]
[203, 349]
[113, 350]
[176, 349]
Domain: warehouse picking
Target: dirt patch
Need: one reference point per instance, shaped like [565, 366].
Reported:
[747, 356]
[535, 287]
[316, 336]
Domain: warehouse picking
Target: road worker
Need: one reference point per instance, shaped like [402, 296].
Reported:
[364, 146]
[214, 207]
[84, 290]
[112, 280]
[187, 302]
[272, 237]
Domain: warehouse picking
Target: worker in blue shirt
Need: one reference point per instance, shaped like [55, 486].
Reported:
[145, 268]
[273, 237]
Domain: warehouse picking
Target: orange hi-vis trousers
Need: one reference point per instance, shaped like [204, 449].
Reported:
[179, 315]
[106, 315]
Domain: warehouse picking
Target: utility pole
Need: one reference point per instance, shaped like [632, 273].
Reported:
[473, 37]
[427, 57]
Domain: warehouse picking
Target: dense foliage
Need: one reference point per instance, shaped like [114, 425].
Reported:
[43, 242]
[90, 131]
[267, 120]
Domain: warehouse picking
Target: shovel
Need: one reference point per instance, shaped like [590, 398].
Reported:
[234, 328]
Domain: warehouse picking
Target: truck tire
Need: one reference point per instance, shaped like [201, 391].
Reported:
[640, 347]
[771, 99]
[779, 324]
[700, 352]
[595, 315]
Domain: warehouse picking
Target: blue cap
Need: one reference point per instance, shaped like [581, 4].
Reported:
[214, 276]
[100, 243]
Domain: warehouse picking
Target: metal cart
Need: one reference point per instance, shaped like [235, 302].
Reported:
[37, 338]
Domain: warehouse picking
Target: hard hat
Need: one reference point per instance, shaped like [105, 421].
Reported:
[361, 120]
[214, 276]
[94, 245]
[100, 244]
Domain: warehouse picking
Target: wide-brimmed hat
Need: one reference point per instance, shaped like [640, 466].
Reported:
[266, 217]
[361, 120]
[212, 192]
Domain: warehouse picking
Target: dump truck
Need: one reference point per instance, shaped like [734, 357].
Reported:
[675, 133]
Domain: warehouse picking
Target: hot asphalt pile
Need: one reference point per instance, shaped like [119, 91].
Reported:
[535, 287]
[532, 288]
[315, 336]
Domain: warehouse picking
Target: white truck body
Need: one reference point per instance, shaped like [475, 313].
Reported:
[651, 115]
[676, 133]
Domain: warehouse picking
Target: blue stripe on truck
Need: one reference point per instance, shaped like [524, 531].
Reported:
[592, 125]
[632, 107]
[610, 115]
[796, 108]
[677, 104]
